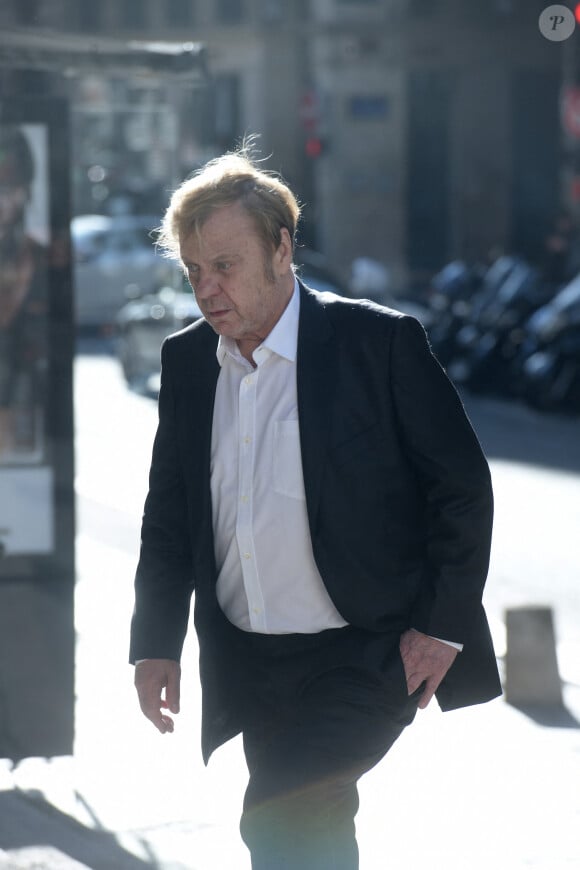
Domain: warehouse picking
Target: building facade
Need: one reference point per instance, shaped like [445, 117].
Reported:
[414, 131]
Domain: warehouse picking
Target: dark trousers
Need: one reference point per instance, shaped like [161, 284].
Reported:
[321, 711]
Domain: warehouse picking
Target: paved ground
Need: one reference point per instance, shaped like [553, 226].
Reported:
[481, 788]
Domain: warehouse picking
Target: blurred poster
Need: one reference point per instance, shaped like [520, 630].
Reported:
[26, 492]
[24, 237]
[37, 517]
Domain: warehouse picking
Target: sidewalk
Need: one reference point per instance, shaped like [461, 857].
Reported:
[476, 788]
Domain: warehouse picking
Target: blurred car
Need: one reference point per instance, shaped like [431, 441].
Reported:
[112, 255]
[143, 323]
[141, 326]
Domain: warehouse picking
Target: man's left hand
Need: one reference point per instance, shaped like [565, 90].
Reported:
[426, 660]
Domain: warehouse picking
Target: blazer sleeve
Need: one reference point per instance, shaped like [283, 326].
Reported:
[454, 477]
[164, 577]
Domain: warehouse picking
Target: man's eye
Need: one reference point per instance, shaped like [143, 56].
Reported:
[224, 267]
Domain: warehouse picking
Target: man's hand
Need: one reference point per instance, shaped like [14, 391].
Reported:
[426, 660]
[157, 683]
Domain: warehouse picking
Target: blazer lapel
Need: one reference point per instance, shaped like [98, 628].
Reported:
[316, 380]
[199, 379]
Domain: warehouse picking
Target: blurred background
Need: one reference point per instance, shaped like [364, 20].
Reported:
[435, 146]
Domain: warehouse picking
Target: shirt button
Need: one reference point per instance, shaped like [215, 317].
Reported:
[247, 439]
[244, 499]
[247, 556]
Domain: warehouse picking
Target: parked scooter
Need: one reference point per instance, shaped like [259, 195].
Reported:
[450, 297]
[458, 296]
[546, 370]
[488, 342]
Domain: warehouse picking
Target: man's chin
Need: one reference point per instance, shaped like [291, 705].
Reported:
[221, 327]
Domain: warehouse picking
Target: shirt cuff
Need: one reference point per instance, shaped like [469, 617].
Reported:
[457, 646]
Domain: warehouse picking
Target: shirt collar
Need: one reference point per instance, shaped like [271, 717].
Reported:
[282, 340]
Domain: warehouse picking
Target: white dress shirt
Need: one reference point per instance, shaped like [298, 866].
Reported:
[268, 581]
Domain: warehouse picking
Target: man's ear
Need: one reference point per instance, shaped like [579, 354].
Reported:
[283, 254]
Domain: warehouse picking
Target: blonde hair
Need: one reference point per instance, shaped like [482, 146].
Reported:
[233, 177]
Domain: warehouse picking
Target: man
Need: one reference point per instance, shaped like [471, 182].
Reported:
[316, 482]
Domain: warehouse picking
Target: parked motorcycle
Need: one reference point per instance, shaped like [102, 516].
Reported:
[546, 369]
[450, 296]
[489, 340]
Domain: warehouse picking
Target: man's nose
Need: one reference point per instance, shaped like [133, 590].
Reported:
[206, 285]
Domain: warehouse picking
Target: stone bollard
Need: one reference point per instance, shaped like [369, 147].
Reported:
[531, 665]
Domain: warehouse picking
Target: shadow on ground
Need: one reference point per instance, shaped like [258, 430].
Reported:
[29, 823]
[512, 431]
[548, 717]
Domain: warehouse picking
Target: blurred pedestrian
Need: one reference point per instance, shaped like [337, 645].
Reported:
[316, 481]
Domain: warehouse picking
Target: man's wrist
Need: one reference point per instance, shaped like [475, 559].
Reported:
[457, 646]
[452, 643]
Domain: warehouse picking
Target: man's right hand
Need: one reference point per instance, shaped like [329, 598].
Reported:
[157, 683]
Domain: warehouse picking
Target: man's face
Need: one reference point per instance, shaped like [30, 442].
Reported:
[241, 290]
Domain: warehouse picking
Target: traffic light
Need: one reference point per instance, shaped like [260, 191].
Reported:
[313, 147]
[577, 12]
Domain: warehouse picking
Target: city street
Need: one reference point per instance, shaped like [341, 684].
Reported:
[434, 153]
[508, 786]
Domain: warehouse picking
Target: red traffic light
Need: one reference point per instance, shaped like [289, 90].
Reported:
[577, 12]
[313, 147]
